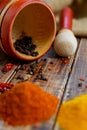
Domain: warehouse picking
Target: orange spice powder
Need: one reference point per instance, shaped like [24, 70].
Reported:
[27, 103]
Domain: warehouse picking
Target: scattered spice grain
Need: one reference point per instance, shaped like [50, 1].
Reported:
[7, 67]
[5, 87]
[82, 79]
[45, 60]
[37, 70]
[33, 68]
[83, 90]
[79, 84]
[26, 103]
[85, 86]
[51, 63]
[65, 60]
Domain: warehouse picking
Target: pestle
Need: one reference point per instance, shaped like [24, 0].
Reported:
[65, 42]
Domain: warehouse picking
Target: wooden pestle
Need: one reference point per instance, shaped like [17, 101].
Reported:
[65, 42]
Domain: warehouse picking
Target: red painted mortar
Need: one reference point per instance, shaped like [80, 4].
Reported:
[34, 17]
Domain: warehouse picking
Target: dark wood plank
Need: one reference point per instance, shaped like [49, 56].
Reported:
[4, 59]
[55, 69]
[75, 76]
[77, 83]
[56, 72]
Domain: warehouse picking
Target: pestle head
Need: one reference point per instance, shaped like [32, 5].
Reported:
[65, 43]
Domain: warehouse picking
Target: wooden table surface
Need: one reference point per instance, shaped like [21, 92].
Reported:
[65, 78]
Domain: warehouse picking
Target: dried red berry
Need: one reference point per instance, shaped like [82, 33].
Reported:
[4, 87]
[82, 79]
[7, 67]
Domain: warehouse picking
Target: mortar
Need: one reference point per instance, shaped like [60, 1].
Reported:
[34, 18]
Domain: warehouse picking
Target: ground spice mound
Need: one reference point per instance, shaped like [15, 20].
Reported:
[26, 103]
[72, 114]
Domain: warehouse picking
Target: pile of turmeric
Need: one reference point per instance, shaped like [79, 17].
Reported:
[25, 104]
[73, 114]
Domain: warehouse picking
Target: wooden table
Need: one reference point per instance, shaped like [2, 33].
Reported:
[65, 78]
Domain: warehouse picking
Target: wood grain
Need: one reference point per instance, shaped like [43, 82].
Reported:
[77, 83]
[55, 69]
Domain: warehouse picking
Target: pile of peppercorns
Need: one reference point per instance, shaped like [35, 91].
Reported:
[26, 46]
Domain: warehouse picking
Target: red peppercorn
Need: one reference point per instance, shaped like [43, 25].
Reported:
[82, 79]
[4, 87]
[1, 89]
[7, 67]
[86, 86]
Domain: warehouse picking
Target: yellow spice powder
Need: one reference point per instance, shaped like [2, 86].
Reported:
[73, 114]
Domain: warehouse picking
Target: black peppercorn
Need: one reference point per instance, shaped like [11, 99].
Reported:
[26, 46]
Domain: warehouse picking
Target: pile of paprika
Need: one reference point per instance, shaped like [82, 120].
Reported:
[27, 103]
